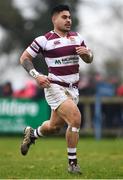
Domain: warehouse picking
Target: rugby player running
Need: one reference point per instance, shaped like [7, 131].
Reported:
[62, 50]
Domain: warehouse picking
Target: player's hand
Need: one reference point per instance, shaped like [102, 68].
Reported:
[43, 81]
[82, 50]
[84, 53]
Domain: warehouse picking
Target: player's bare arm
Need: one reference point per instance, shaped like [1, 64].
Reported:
[85, 54]
[26, 62]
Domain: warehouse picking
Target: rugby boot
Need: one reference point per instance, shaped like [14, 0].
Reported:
[74, 169]
[27, 140]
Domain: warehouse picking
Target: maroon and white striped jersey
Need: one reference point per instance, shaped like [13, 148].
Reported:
[60, 54]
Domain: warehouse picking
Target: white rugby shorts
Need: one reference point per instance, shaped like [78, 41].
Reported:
[56, 95]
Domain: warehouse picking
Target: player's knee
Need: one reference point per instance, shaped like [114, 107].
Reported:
[74, 126]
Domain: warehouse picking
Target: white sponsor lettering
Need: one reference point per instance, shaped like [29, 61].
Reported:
[70, 60]
[14, 108]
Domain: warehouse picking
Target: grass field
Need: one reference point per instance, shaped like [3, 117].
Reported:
[47, 159]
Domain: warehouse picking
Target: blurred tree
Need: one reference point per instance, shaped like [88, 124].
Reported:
[21, 31]
[12, 22]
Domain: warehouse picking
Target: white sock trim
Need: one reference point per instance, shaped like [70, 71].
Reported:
[35, 134]
[71, 150]
[39, 134]
[39, 131]
[71, 157]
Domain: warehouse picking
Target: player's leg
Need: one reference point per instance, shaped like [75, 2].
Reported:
[69, 111]
[48, 127]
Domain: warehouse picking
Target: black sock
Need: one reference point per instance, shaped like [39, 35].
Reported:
[72, 159]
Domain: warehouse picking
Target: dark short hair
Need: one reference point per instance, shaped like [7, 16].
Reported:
[59, 8]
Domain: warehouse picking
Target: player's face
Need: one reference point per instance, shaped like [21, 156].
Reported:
[62, 21]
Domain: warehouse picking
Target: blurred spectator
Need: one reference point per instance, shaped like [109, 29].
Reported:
[115, 81]
[108, 112]
[0, 90]
[28, 91]
[7, 90]
[119, 91]
[119, 111]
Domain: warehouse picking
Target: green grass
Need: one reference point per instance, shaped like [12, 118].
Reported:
[47, 159]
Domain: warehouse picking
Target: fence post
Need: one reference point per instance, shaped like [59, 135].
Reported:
[98, 118]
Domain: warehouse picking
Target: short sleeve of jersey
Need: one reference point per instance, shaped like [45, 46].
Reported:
[37, 46]
[82, 42]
